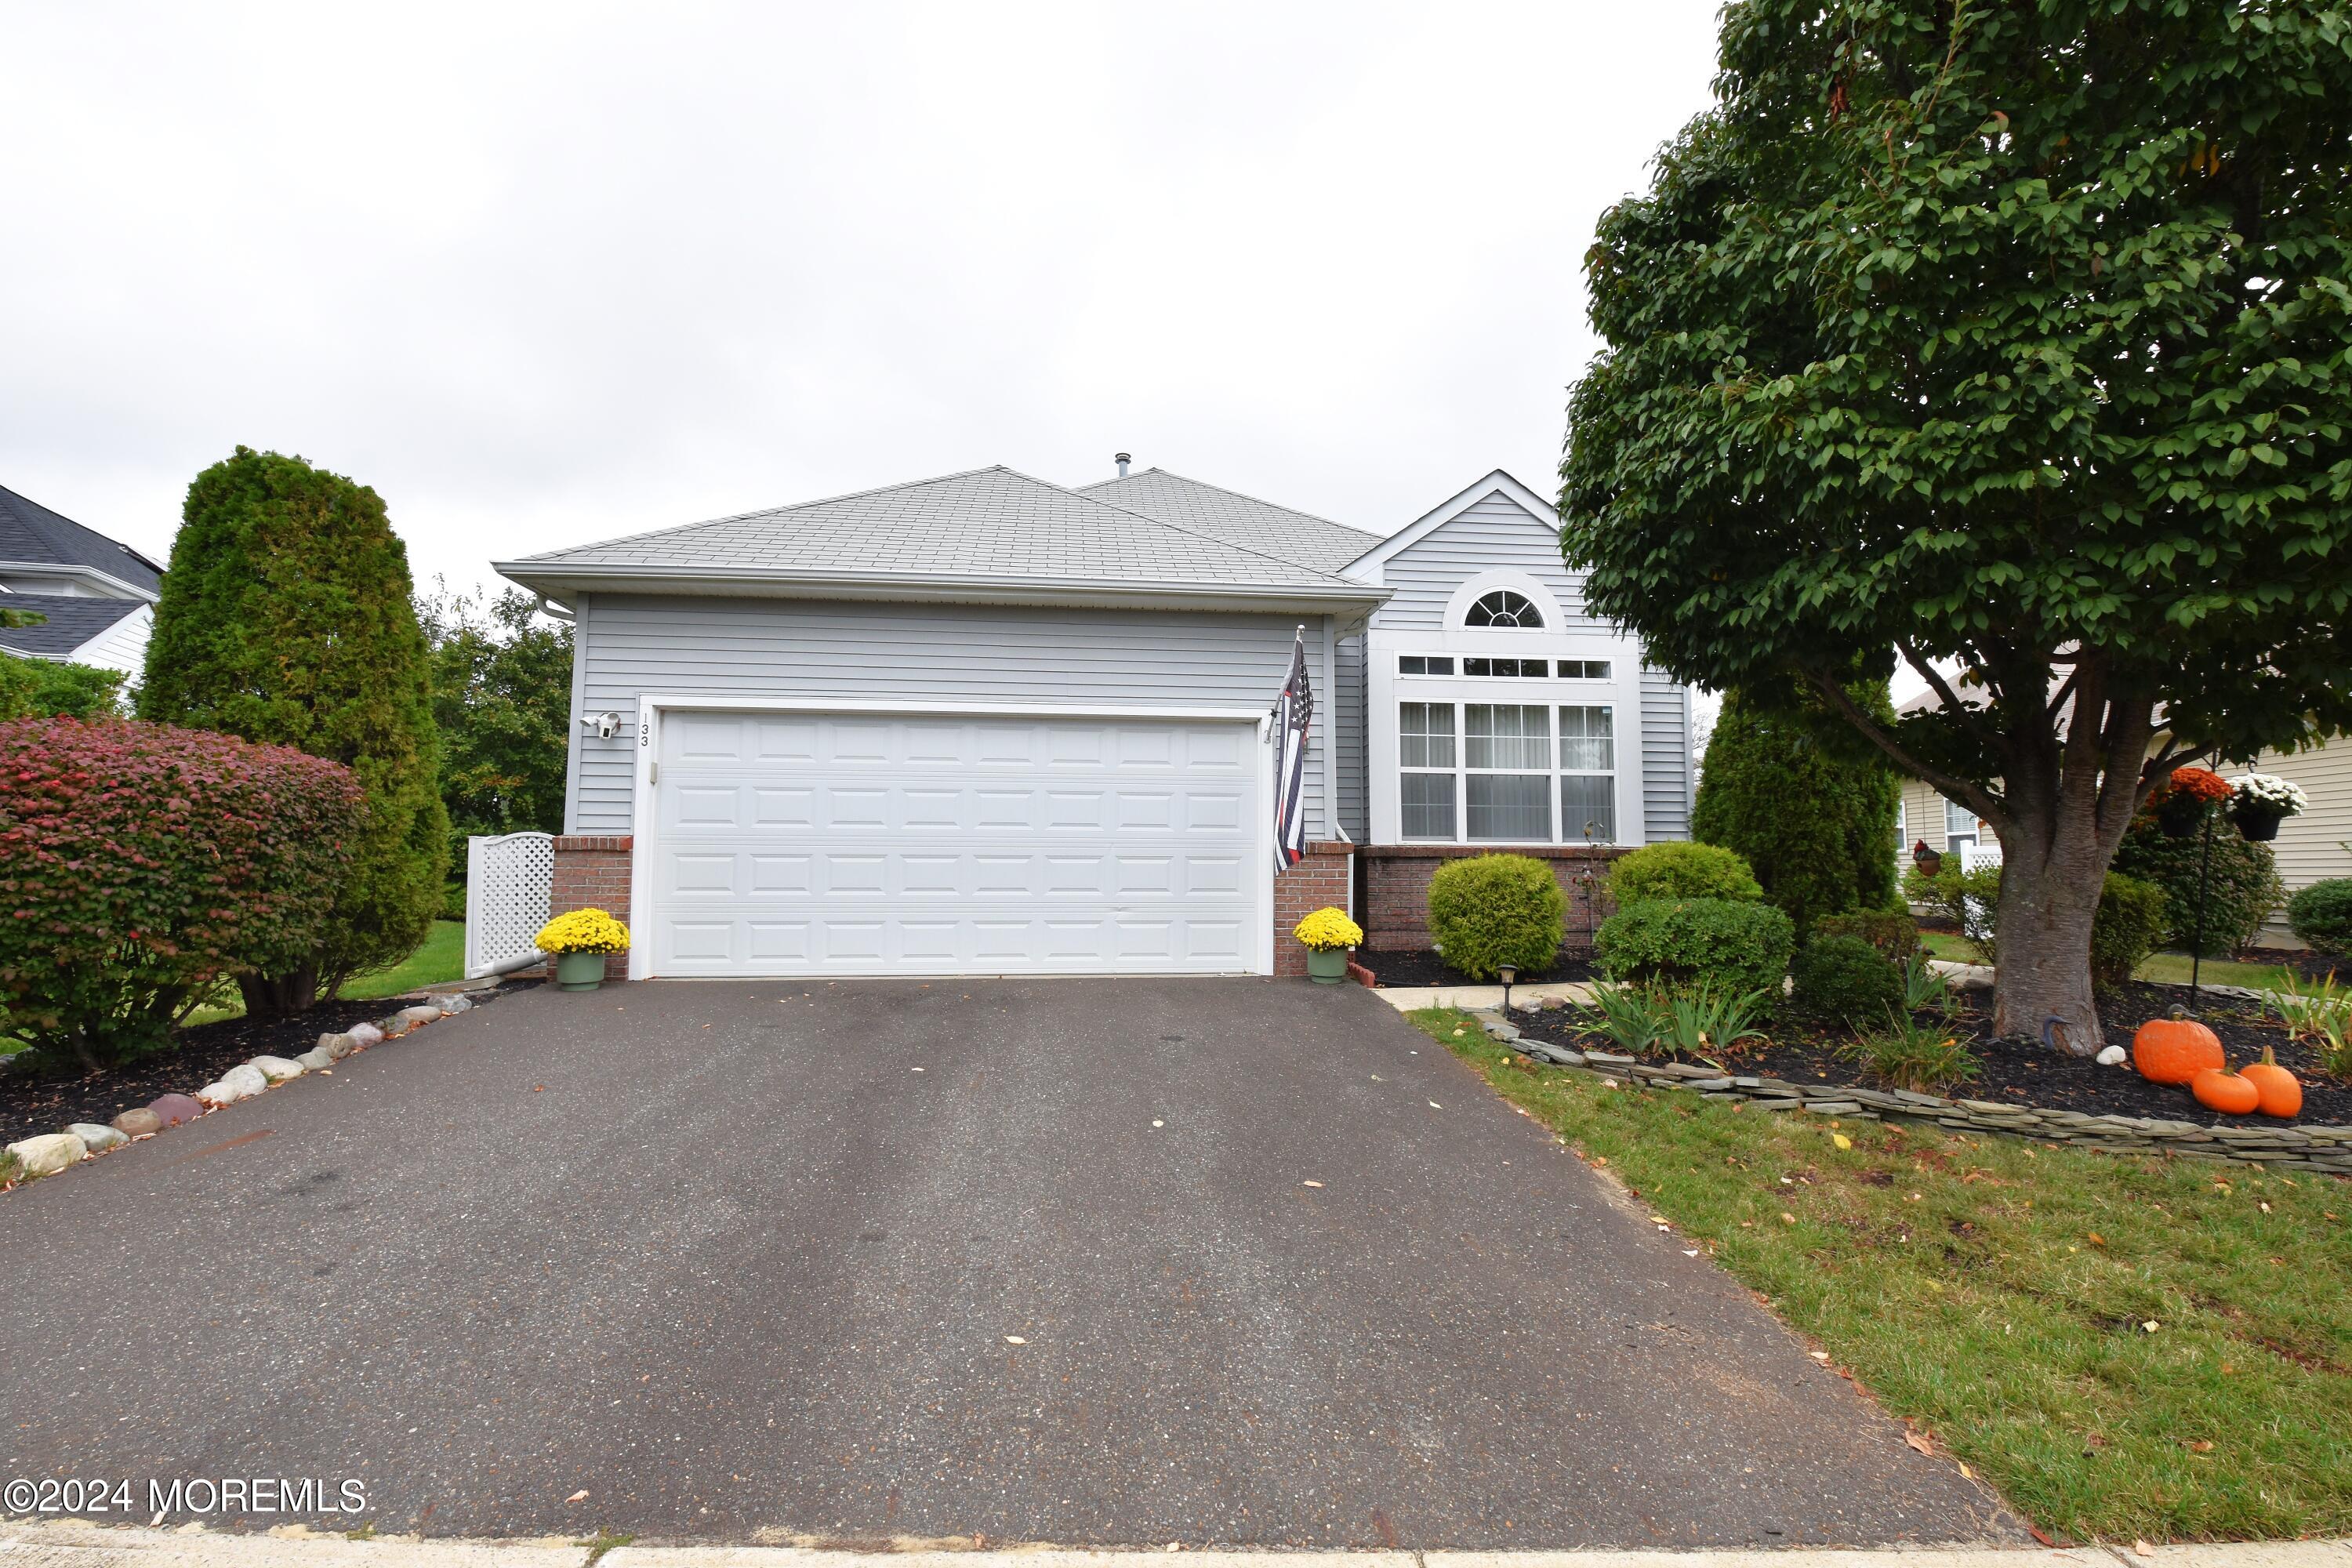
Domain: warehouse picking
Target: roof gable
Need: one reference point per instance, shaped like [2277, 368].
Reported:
[31, 532]
[1368, 565]
[1296, 536]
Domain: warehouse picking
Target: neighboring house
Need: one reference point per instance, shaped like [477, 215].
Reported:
[2311, 847]
[987, 724]
[96, 596]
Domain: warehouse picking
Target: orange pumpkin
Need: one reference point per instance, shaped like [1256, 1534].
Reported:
[2219, 1089]
[2282, 1096]
[2175, 1050]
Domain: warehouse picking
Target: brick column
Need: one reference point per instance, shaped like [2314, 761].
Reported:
[592, 872]
[1319, 880]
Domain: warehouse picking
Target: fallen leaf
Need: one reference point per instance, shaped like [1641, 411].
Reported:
[1160, 1124]
[1966, 1473]
[2096, 1239]
[917, 1069]
[2142, 1549]
[2202, 1446]
[1690, 1252]
[1659, 1220]
[1919, 1444]
[1310, 1184]
[1434, 1106]
[1787, 1219]
[1840, 1139]
[2150, 1326]
[1821, 1356]
[2265, 1208]
[1014, 1340]
[577, 1496]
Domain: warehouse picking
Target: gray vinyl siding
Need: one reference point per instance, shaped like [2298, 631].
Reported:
[1665, 757]
[1491, 535]
[1347, 726]
[753, 649]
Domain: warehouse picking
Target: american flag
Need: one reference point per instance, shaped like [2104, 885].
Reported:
[1293, 712]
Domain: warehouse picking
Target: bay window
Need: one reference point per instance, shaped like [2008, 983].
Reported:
[1486, 773]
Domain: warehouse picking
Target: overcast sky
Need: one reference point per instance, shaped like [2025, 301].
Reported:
[541, 276]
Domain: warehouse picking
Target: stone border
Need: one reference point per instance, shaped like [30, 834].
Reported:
[46, 1153]
[2325, 1148]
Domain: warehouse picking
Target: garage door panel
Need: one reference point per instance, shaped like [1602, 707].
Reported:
[805, 845]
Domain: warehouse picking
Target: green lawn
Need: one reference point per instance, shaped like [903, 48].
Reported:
[440, 957]
[2166, 968]
[2125, 1347]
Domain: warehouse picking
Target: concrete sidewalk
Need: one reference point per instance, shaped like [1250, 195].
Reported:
[72, 1543]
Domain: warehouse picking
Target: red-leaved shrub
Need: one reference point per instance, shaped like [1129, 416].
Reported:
[142, 863]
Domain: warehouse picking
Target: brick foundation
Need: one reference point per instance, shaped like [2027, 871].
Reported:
[1319, 880]
[592, 872]
[1396, 887]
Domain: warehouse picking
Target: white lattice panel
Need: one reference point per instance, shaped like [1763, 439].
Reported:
[508, 882]
[1975, 855]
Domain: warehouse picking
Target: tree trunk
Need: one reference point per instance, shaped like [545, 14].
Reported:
[269, 998]
[2050, 886]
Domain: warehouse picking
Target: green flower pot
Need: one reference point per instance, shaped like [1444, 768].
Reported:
[1326, 968]
[579, 971]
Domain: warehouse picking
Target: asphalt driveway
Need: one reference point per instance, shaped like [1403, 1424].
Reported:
[1218, 1262]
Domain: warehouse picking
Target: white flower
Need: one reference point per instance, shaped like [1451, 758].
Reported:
[2272, 793]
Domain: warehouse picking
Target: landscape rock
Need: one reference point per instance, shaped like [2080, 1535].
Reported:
[277, 1069]
[98, 1140]
[49, 1154]
[460, 1004]
[423, 1013]
[139, 1122]
[316, 1057]
[2111, 1057]
[241, 1082]
[337, 1047]
[171, 1110]
[391, 1028]
[366, 1033]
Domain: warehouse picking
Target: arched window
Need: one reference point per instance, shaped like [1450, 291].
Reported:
[1503, 608]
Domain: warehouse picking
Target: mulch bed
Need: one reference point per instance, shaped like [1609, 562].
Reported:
[33, 1103]
[1426, 968]
[2025, 1072]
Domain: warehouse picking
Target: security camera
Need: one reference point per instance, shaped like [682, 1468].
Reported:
[608, 725]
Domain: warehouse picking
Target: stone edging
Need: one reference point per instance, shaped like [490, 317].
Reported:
[46, 1153]
[2323, 1149]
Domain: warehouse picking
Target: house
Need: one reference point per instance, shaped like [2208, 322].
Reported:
[988, 724]
[96, 597]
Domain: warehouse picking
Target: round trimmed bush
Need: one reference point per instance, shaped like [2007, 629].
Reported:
[1493, 909]
[1892, 931]
[2129, 925]
[1733, 944]
[142, 863]
[1843, 979]
[1682, 871]
[2322, 915]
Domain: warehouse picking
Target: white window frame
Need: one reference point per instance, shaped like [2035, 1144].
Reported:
[1955, 835]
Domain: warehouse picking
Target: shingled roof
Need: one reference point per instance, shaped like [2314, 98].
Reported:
[990, 532]
[32, 534]
[71, 621]
[1297, 536]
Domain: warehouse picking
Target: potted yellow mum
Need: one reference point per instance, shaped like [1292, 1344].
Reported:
[580, 941]
[1328, 934]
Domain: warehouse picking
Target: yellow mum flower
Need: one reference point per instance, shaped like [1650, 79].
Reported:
[1329, 931]
[582, 931]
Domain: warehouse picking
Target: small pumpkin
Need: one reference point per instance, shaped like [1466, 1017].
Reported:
[2175, 1050]
[2219, 1089]
[2282, 1095]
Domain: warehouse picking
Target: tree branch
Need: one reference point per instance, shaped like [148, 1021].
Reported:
[1969, 717]
[1973, 796]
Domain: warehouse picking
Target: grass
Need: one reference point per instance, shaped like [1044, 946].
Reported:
[1999, 1294]
[2164, 968]
[441, 956]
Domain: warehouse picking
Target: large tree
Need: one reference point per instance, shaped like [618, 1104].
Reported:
[502, 703]
[286, 617]
[2012, 338]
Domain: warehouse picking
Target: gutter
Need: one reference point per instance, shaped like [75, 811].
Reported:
[547, 578]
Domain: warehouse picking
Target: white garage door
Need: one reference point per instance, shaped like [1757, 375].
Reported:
[818, 844]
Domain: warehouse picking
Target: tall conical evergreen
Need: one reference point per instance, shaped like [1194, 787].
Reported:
[1811, 813]
[285, 617]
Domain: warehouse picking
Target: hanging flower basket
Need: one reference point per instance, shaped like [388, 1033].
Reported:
[2260, 802]
[2187, 798]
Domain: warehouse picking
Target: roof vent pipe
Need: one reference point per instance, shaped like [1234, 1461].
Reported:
[1122, 460]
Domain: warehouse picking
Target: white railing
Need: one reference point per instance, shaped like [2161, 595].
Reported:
[509, 881]
[1975, 855]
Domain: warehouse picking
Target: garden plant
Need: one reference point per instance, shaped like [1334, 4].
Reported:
[1490, 911]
